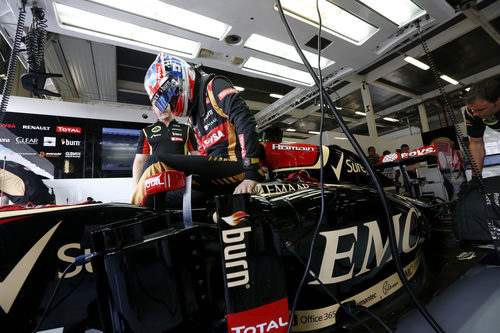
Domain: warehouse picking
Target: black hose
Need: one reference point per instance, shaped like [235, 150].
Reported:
[35, 39]
[11, 68]
[376, 181]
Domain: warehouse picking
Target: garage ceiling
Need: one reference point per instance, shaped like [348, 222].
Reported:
[464, 45]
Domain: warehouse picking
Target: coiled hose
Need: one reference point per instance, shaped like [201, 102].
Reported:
[11, 69]
[35, 39]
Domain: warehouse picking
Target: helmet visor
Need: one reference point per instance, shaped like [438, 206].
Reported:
[168, 96]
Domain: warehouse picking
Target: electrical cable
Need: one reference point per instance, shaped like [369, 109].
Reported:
[80, 260]
[35, 39]
[321, 181]
[378, 185]
[11, 68]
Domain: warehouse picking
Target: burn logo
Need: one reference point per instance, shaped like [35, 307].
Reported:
[235, 253]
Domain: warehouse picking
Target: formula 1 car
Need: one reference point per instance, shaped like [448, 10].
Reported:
[234, 267]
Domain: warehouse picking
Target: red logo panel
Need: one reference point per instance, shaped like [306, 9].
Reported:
[66, 129]
[272, 317]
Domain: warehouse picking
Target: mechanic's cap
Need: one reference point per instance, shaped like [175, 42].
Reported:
[170, 80]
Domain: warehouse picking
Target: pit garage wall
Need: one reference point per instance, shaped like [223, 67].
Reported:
[391, 142]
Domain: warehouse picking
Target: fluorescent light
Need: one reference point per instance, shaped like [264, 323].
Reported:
[399, 12]
[313, 132]
[275, 95]
[334, 19]
[391, 119]
[339, 138]
[467, 89]
[102, 26]
[282, 50]
[338, 108]
[268, 68]
[417, 63]
[449, 79]
[239, 88]
[291, 130]
[160, 11]
[360, 113]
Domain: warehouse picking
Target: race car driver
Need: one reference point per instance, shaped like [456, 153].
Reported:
[224, 127]
[483, 104]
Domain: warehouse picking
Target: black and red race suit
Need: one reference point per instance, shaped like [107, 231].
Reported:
[224, 126]
[225, 131]
[22, 186]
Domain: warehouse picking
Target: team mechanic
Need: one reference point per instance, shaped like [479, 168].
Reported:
[224, 127]
[167, 136]
[483, 106]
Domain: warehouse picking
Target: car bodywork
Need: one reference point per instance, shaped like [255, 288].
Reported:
[153, 274]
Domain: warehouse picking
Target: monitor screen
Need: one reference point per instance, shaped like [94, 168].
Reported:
[119, 146]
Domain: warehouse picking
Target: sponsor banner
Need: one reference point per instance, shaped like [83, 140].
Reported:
[26, 141]
[215, 135]
[309, 320]
[68, 129]
[8, 125]
[73, 154]
[4, 140]
[49, 141]
[36, 128]
[272, 317]
[176, 139]
[45, 154]
[67, 142]
[428, 150]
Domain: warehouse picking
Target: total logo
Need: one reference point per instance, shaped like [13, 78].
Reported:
[66, 142]
[66, 129]
[26, 141]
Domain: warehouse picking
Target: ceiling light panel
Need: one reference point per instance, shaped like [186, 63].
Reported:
[162, 12]
[334, 19]
[268, 68]
[275, 95]
[449, 79]
[417, 63]
[276, 48]
[400, 12]
[85, 22]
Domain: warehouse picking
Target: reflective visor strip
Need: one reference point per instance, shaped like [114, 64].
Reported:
[231, 135]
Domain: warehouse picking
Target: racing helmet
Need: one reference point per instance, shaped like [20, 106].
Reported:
[171, 80]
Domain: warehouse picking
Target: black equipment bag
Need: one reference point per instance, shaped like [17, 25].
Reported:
[474, 212]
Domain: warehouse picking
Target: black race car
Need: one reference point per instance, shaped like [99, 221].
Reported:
[235, 268]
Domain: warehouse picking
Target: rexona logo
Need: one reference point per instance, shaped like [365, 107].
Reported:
[358, 245]
[66, 129]
[234, 256]
[36, 128]
[66, 142]
[287, 147]
[26, 141]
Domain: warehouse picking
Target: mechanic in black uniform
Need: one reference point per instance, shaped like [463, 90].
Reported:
[224, 127]
[22, 186]
[166, 136]
[483, 104]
